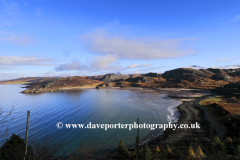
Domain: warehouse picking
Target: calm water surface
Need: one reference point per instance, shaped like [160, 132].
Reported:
[105, 106]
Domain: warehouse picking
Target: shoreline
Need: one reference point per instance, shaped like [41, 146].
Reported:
[190, 112]
[188, 109]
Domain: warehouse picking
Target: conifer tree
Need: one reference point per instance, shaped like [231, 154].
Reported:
[191, 153]
[237, 151]
[228, 141]
[146, 152]
[199, 152]
[158, 150]
[122, 149]
[13, 148]
[169, 150]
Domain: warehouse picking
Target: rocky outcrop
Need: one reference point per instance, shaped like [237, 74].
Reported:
[234, 74]
[151, 74]
[100, 77]
[139, 79]
[207, 72]
[216, 70]
[220, 76]
[111, 77]
[183, 73]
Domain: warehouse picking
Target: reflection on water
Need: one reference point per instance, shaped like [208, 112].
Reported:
[105, 106]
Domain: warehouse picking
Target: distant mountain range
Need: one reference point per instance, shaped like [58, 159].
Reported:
[210, 78]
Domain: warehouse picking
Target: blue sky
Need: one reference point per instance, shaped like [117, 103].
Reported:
[88, 37]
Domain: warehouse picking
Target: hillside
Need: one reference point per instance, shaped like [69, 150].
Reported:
[50, 85]
[211, 78]
[26, 80]
[179, 78]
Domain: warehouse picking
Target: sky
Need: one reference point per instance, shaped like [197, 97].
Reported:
[49, 38]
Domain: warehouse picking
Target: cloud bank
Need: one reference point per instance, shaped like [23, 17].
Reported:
[236, 18]
[107, 62]
[101, 42]
[131, 66]
[222, 60]
[26, 60]
[14, 38]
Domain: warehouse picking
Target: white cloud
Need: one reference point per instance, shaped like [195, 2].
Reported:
[53, 74]
[26, 60]
[107, 62]
[234, 66]
[222, 60]
[103, 62]
[71, 66]
[231, 66]
[132, 66]
[9, 76]
[146, 65]
[236, 18]
[101, 42]
[38, 13]
[14, 38]
[138, 66]
[10, 8]
[147, 70]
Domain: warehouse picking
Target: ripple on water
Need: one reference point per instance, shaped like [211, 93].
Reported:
[83, 106]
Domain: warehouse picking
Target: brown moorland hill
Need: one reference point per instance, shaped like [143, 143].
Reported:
[27, 80]
[50, 85]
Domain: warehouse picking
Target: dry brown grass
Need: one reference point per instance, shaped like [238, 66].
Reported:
[232, 108]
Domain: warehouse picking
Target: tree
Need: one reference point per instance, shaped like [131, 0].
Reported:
[122, 149]
[3, 120]
[44, 149]
[199, 152]
[13, 148]
[219, 145]
[169, 150]
[237, 151]
[158, 151]
[146, 152]
[191, 153]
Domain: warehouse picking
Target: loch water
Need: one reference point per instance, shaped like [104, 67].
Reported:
[81, 106]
